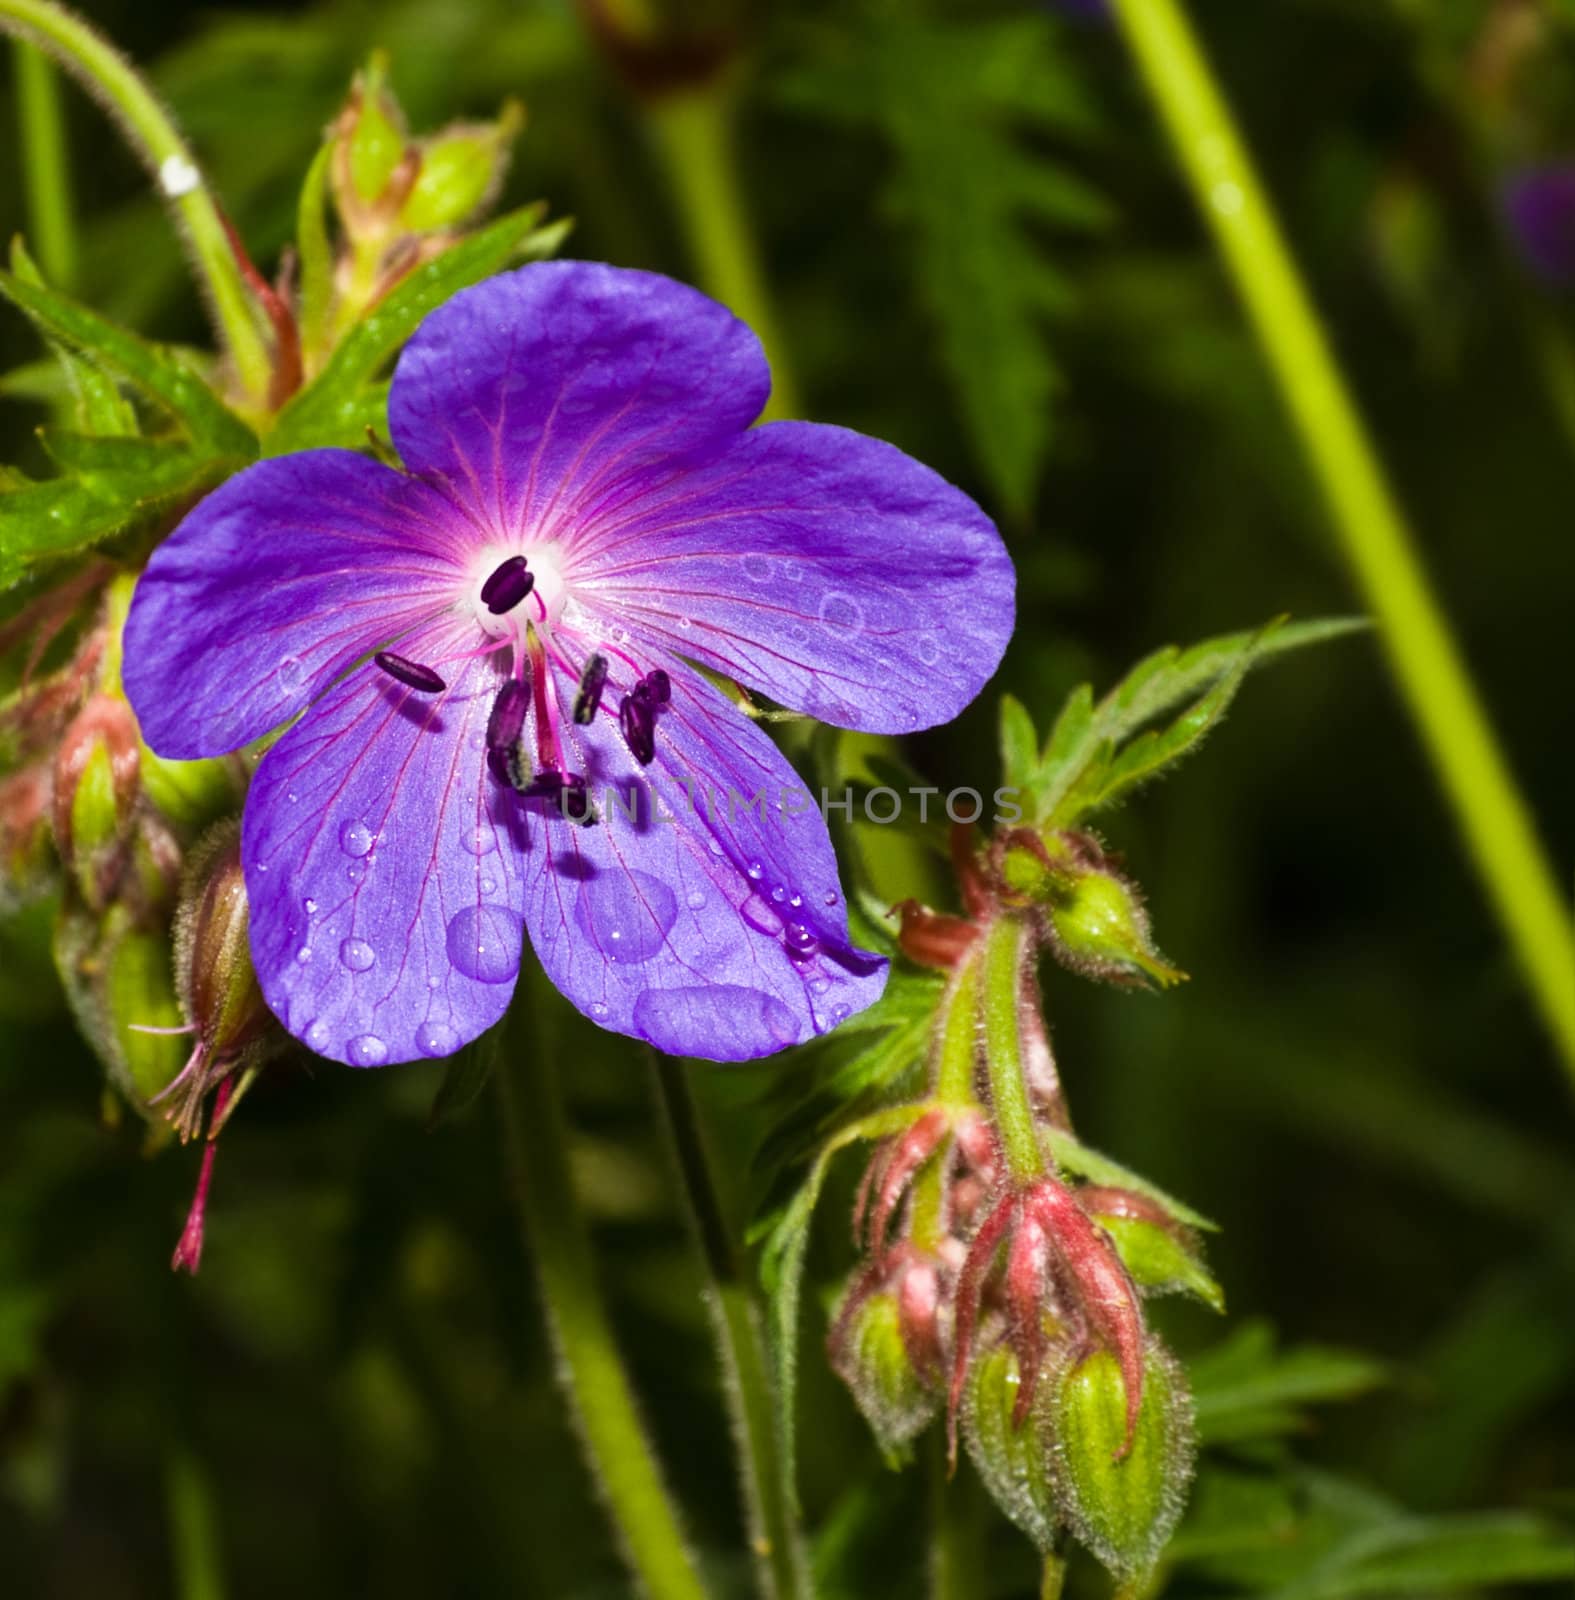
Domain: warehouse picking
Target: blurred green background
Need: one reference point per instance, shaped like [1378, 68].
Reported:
[978, 248]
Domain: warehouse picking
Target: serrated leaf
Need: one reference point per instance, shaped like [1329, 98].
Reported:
[1098, 754]
[1019, 745]
[1082, 1161]
[956, 104]
[1245, 1389]
[155, 370]
[331, 409]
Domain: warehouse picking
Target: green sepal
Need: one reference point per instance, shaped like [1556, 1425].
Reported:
[1015, 1463]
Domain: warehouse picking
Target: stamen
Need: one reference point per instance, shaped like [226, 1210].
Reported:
[659, 685]
[637, 719]
[567, 790]
[507, 586]
[592, 681]
[506, 721]
[410, 673]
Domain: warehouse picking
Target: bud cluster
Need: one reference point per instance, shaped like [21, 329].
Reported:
[995, 1287]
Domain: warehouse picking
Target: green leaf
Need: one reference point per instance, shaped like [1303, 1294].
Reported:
[1424, 1556]
[1244, 1389]
[42, 521]
[1072, 1155]
[964, 108]
[465, 1075]
[331, 410]
[155, 370]
[1019, 745]
[1098, 754]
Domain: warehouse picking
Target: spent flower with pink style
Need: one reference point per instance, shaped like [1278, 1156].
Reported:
[499, 669]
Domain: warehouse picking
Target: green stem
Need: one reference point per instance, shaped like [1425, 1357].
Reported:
[110, 78]
[615, 1441]
[774, 1535]
[1377, 544]
[1052, 1580]
[1006, 948]
[694, 138]
[957, 1558]
[46, 168]
[194, 1533]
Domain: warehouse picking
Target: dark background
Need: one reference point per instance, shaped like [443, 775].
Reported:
[1353, 1082]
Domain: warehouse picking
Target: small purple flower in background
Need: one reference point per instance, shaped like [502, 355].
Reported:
[492, 659]
[1540, 205]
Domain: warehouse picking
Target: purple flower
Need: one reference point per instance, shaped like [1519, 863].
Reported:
[1539, 203]
[494, 659]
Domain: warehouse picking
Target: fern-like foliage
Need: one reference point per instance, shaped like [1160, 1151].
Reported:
[977, 117]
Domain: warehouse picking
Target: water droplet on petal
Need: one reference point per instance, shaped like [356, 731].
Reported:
[840, 1011]
[357, 955]
[759, 915]
[628, 916]
[598, 1008]
[709, 1019]
[478, 841]
[928, 648]
[291, 674]
[756, 870]
[842, 612]
[355, 872]
[317, 1036]
[829, 898]
[799, 939]
[304, 954]
[779, 894]
[366, 1050]
[695, 899]
[483, 942]
[757, 568]
[435, 1038]
[355, 838]
[292, 797]
[819, 985]
[310, 907]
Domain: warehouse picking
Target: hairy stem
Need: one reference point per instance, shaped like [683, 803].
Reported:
[1007, 944]
[111, 80]
[46, 168]
[194, 1534]
[1377, 544]
[774, 1535]
[619, 1453]
[694, 137]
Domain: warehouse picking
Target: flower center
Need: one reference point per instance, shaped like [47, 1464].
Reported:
[507, 588]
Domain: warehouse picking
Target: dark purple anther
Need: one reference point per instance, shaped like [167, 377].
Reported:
[592, 681]
[507, 719]
[637, 719]
[659, 686]
[507, 586]
[567, 790]
[410, 673]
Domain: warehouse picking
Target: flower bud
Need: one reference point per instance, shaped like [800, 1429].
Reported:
[881, 1346]
[1162, 1255]
[1099, 927]
[1014, 1460]
[96, 792]
[24, 837]
[371, 145]
[217, 983]
[462, 168]
[1122, 1502]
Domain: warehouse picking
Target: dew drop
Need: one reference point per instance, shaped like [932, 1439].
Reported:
[757, 568]
[478, 841]
[483, 942]
[695, 899]
[842, 612]
[800, 939]
[829, 898]
[357, 955]
[779, 894]
[598, 1008]
[291, 674]
[292, 797]
[760, 916]
[355, 872]
[928, 648]
[684, 622]
[714, 845]
[792, 571]
[756, 871]
[434, 982]
[317, 1036]
[304, 954]
[795, 900]
[720, 1017]
[629, 917]
[819, 985]
[839, 1012]
[355, 838]
[434, 1038]
[366, 1050]
[310, 907]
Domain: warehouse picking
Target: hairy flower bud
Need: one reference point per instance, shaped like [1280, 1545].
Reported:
[1014, 1458]
[1122, 1498]
[370, 148]
[218, 985]
[885, 1345]
[462, 168]
[97, 786]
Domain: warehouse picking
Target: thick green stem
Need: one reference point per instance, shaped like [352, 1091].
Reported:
[1376, 541]
[619, 1453]
[694, 137]
[110, 79]
[1007, 946]
[774, 1535]
[46, 167]
[194, 1533]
